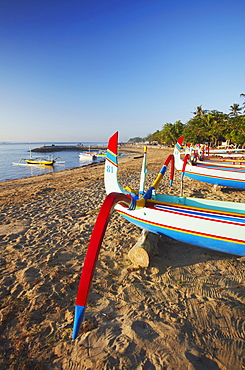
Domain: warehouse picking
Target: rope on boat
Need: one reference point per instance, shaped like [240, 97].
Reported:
[160, 175]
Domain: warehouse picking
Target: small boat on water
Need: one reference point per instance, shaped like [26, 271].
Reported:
[39, 161]
[210, 224]
[87, 156]
[98, 154]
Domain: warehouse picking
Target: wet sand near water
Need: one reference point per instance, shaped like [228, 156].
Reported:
[185, 311]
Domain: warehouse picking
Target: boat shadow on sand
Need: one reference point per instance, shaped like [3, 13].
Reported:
[172, 253]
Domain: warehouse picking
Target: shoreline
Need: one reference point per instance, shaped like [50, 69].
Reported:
[185, 311]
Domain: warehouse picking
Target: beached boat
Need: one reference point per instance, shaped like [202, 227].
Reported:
[228, 152]
[229, 155]
[218, 175]
[232, 161]
[219, 164]
[205, 223]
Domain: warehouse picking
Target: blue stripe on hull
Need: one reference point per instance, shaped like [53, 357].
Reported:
[111, 157]
[217, 181]
[202, 213]
[223, 168]
[198, 240]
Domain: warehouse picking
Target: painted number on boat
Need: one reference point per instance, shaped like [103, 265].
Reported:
[109, 169]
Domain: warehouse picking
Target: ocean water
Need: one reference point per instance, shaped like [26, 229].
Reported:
[13, 152]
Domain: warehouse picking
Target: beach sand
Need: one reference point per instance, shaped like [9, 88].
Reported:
[185, 311]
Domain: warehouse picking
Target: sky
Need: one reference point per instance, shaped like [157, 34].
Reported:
[79, 70]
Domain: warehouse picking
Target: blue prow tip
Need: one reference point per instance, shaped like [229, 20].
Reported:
[79, 313]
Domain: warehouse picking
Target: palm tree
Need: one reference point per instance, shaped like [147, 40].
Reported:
[235, 110]
[199, 111]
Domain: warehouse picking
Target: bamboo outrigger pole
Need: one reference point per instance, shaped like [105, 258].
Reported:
[143, 173]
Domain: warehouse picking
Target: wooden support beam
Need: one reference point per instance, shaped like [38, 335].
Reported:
[145, 248]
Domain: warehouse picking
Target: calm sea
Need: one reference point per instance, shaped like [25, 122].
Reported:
[13, 152]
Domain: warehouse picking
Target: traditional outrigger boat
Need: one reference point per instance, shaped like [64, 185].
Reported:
[203, 157]
[226, 152]
[98, 154]
[39, 161]
[231, 177]
[87, 156]
[205, 223]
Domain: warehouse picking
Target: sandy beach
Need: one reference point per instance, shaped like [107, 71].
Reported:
[185, 311]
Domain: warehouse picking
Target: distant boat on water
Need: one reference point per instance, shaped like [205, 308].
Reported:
[47, 160]
[87, 156]
[91, 155]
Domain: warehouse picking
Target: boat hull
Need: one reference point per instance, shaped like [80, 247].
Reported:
[87, 157]
[220, 236]
[40, 163]
[215, 225]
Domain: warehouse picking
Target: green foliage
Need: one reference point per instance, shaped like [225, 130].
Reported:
[235, 110]
[169, 133]
[211, 127]
[156, 136]
[206, 126]
[237, 130]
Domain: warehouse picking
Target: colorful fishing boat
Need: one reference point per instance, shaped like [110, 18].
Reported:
[217, 175]
[205, 223]
[98, 154]
[226, 152]
[231, 161]
[87, 156]
[39, 161]
[210, 163]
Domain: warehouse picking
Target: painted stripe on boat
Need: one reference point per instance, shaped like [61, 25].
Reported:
[220, 167]
[199, 209]
[180, 230]
[111, 157]
[203, 215]
[211, 176]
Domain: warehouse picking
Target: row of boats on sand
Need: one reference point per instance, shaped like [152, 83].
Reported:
[216, 225]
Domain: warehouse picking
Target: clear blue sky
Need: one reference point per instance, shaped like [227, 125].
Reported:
[78, 70]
